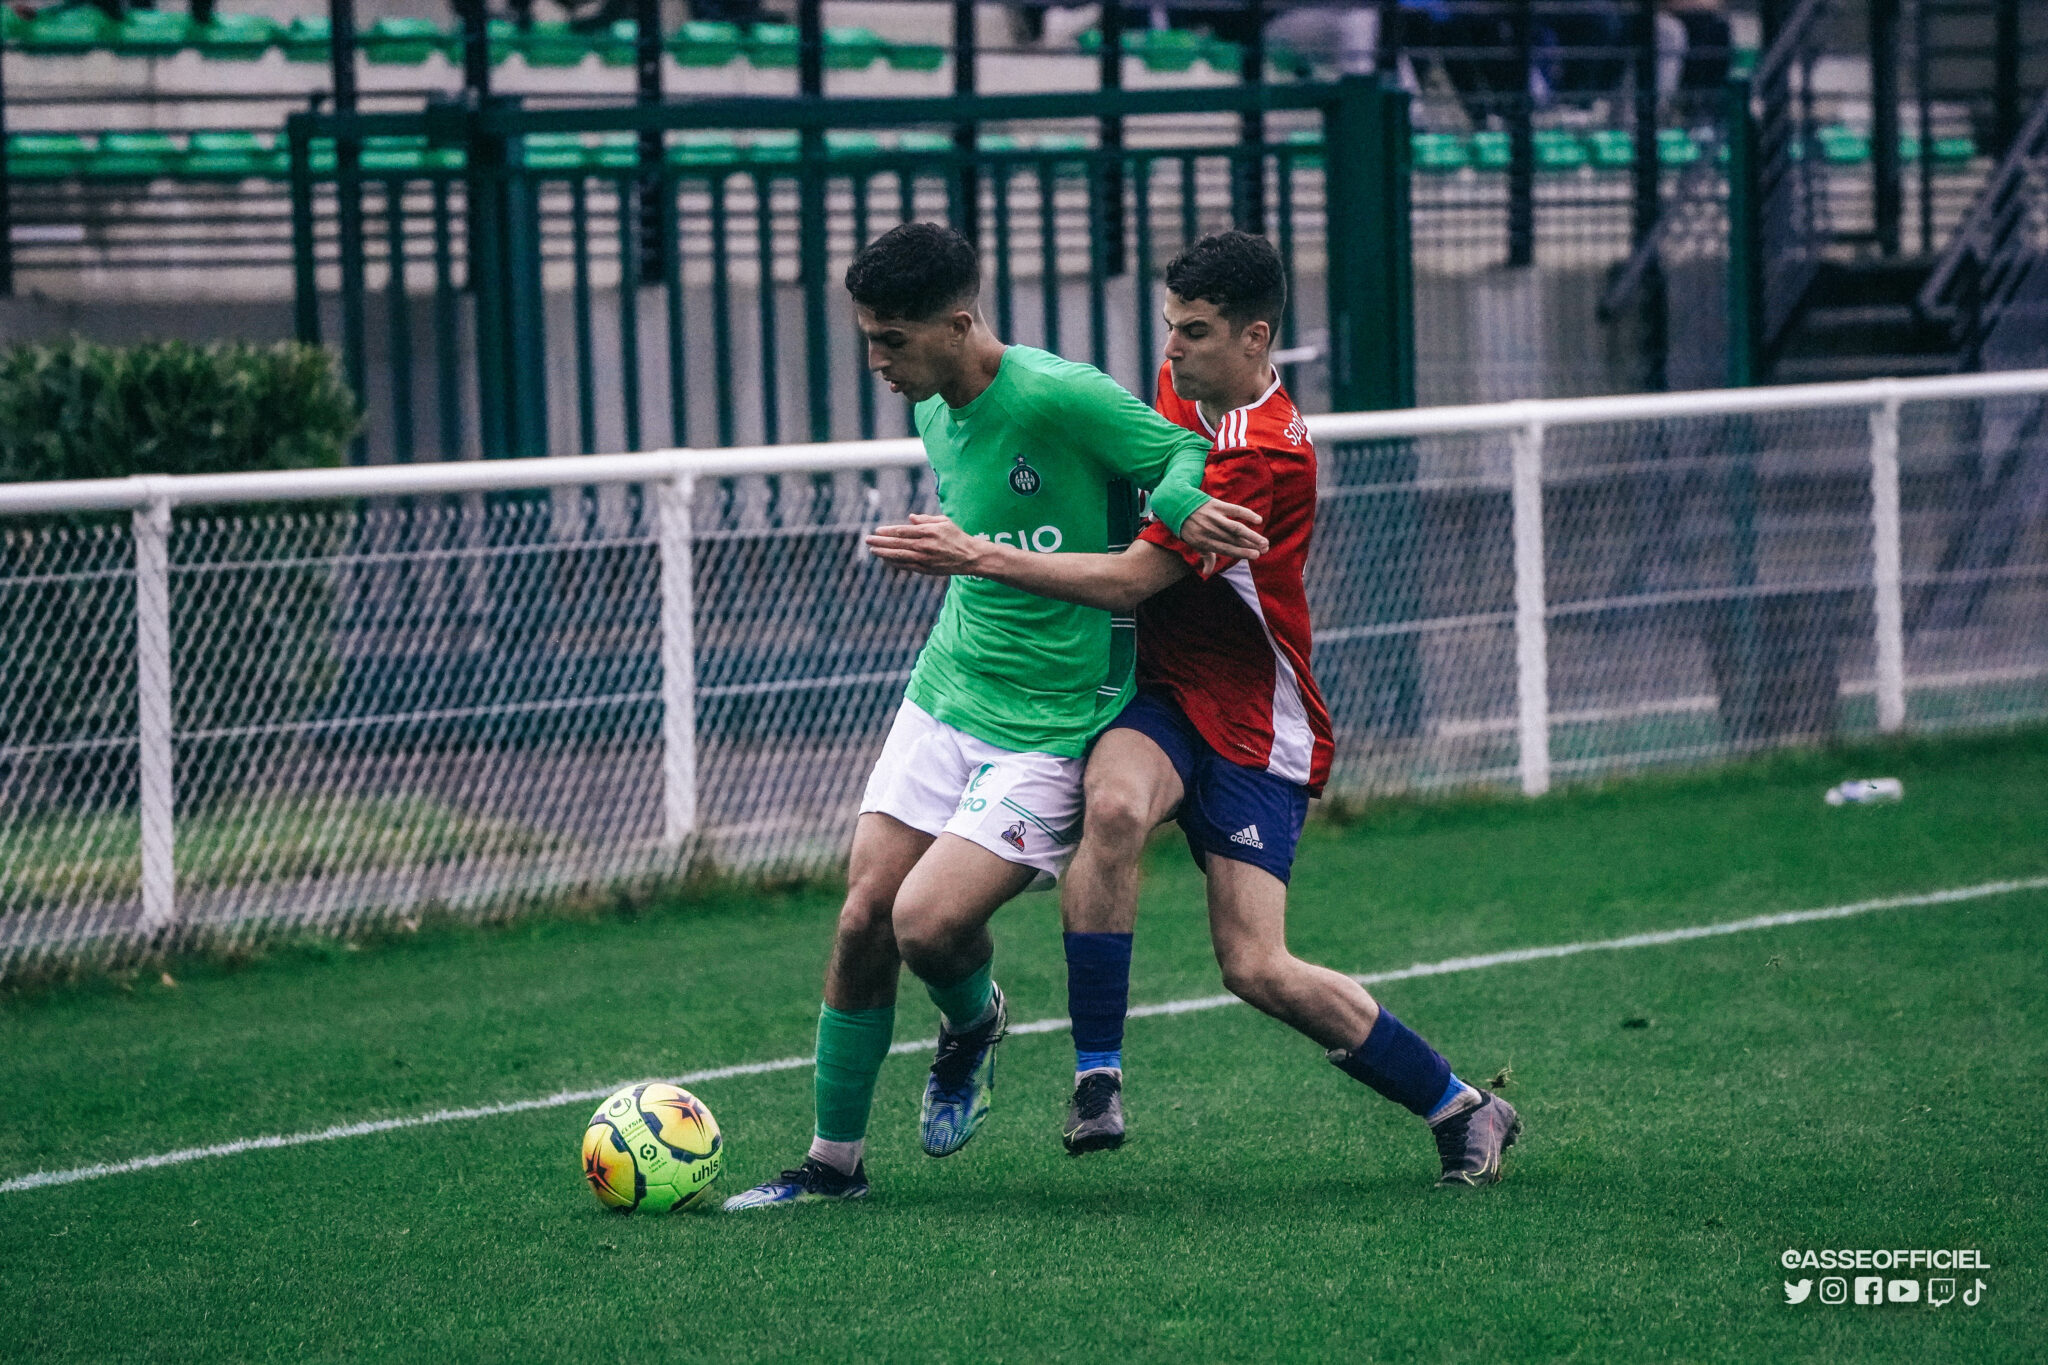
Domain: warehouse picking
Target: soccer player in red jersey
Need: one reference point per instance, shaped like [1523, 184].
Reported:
[1227, 734]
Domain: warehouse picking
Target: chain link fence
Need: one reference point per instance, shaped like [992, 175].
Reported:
[261, 704]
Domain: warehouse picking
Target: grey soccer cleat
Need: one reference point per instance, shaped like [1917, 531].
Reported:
[813, 1179]
[1095, 1118]
[1472, 1140]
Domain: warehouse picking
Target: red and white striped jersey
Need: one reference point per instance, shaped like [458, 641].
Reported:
[1232, 650]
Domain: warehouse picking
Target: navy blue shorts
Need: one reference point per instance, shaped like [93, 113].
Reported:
[1226, 809]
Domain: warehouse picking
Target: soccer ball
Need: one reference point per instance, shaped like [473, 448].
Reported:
[653, 1147]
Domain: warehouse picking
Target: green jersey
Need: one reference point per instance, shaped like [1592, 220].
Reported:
[1049, 457]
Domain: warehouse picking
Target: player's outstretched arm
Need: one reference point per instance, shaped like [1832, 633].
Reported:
[1111, 582]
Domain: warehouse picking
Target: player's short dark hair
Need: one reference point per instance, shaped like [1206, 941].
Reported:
[1239, 272]
[914, 272]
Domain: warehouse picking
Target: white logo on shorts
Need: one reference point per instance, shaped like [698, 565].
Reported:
[1248, 836]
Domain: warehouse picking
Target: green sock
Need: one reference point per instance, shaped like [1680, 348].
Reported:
[966, 1002]
[851, 1046]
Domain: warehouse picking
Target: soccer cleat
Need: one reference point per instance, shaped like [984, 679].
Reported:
[963, 1074]
[1095, 1119]
[812, 1180]
[1472, 1141]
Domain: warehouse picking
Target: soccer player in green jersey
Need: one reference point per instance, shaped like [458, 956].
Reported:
[977, 794]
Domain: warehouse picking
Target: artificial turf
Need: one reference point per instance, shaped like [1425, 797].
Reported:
[1693, 1110]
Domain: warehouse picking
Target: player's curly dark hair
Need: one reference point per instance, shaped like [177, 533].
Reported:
[1239, 272]
[914, 272]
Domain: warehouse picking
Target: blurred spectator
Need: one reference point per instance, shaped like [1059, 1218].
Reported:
[1694, 46]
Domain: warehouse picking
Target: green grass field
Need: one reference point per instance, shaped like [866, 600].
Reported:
[1865, 1082]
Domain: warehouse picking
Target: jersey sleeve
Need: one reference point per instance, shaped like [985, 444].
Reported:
[1133, 442]
[1240, 476]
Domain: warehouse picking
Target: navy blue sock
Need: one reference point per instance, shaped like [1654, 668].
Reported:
[1395, 1061]
[1098, 994]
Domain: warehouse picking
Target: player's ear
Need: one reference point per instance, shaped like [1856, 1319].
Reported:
[1258, 336]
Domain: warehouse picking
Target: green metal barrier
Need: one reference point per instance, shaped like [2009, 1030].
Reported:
[475, 218]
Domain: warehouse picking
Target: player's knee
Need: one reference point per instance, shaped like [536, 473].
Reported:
[1116, 816]
[1253, 975]
[865, 916]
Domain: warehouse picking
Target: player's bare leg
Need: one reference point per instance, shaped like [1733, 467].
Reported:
[1248, 923]
[941, 923]
[1131, 787]
[857, 1022]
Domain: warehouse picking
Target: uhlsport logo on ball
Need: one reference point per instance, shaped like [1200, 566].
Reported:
[653, 1147]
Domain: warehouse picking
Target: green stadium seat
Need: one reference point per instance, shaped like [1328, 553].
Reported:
[1557, 150]
[705, 43]
[1223, 56]
[772, 45]
[1160, 49]
[1840, 146]
[554, 151]
[851, 49]
[1491, 150]
[924, 143]
[998, 142]
[1676, 147]
[1310, 143]
[616, 151]
[229, 154]
[13, 28]
[915, 56]
[773, 147]
[124, 156]
[1440, 153]
[1955, 151]
[403, 41]
[152, 33]
[703, 149]
[1613, 149]
[47, 156]
[555, 44]
[386, 154]
[237, 37]
[70, 31]
[619, 44]
[853, 144]
[307, 40]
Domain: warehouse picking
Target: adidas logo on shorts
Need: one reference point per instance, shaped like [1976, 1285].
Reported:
[1248, 836]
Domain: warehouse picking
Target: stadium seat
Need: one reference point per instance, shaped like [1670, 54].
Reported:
[1310, 143]
[773, 147]
[394, 153]
[124, 156]
[704, 43]
[615, 151]
[924, 143]
[47, 156]
[1223, 56]
[1557, 150]
[851, 49]
[1676, 147]
[71, 31]
[396, 41]
[554, 151]
[1491, 150]
[237, 37]
[915, 56]
[703, 149]
[852, 144]
[1955, 151]
[772, 45]
[1840, 146]
[553, 43]
[1160, 49]
[1613, 149]
[230, 154]
[1440, 153]
[152, 33]
[307, 40]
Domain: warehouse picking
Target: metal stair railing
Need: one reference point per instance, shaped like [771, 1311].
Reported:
[1998, 258]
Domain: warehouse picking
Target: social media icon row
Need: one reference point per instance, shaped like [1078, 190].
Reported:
[1874, 1289]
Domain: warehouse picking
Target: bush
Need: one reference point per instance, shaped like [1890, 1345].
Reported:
[79, 410]
[251, 646]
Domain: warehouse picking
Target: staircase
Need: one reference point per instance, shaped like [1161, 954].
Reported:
[1862, 321]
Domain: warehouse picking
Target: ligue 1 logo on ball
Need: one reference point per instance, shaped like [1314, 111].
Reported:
[1024, 480]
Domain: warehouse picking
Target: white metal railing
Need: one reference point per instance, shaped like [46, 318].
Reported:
[1683, 545]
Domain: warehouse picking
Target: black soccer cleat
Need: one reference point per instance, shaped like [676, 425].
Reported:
[812, 1180]
[1095, 1118]
[1472, 1141]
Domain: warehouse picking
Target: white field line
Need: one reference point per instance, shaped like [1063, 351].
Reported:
[38, 1179]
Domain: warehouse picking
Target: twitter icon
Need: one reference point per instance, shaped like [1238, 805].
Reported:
[1796, 1293]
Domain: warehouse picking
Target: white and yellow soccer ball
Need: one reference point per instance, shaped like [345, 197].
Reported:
[652, 1146]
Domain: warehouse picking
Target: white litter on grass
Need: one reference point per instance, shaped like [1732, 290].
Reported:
[39, 1179]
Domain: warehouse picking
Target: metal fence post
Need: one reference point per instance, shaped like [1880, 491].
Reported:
[678, 660]
[152, 529]
[1372, 326]
[1532, 639]
[1886, 566]
[1745, 241]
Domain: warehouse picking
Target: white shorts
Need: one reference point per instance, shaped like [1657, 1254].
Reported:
[1023, 807]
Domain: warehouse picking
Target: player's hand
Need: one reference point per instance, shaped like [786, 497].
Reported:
[1225, 529]
[927, 544]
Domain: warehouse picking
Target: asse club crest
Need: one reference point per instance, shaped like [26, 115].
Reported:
[1024, 480]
